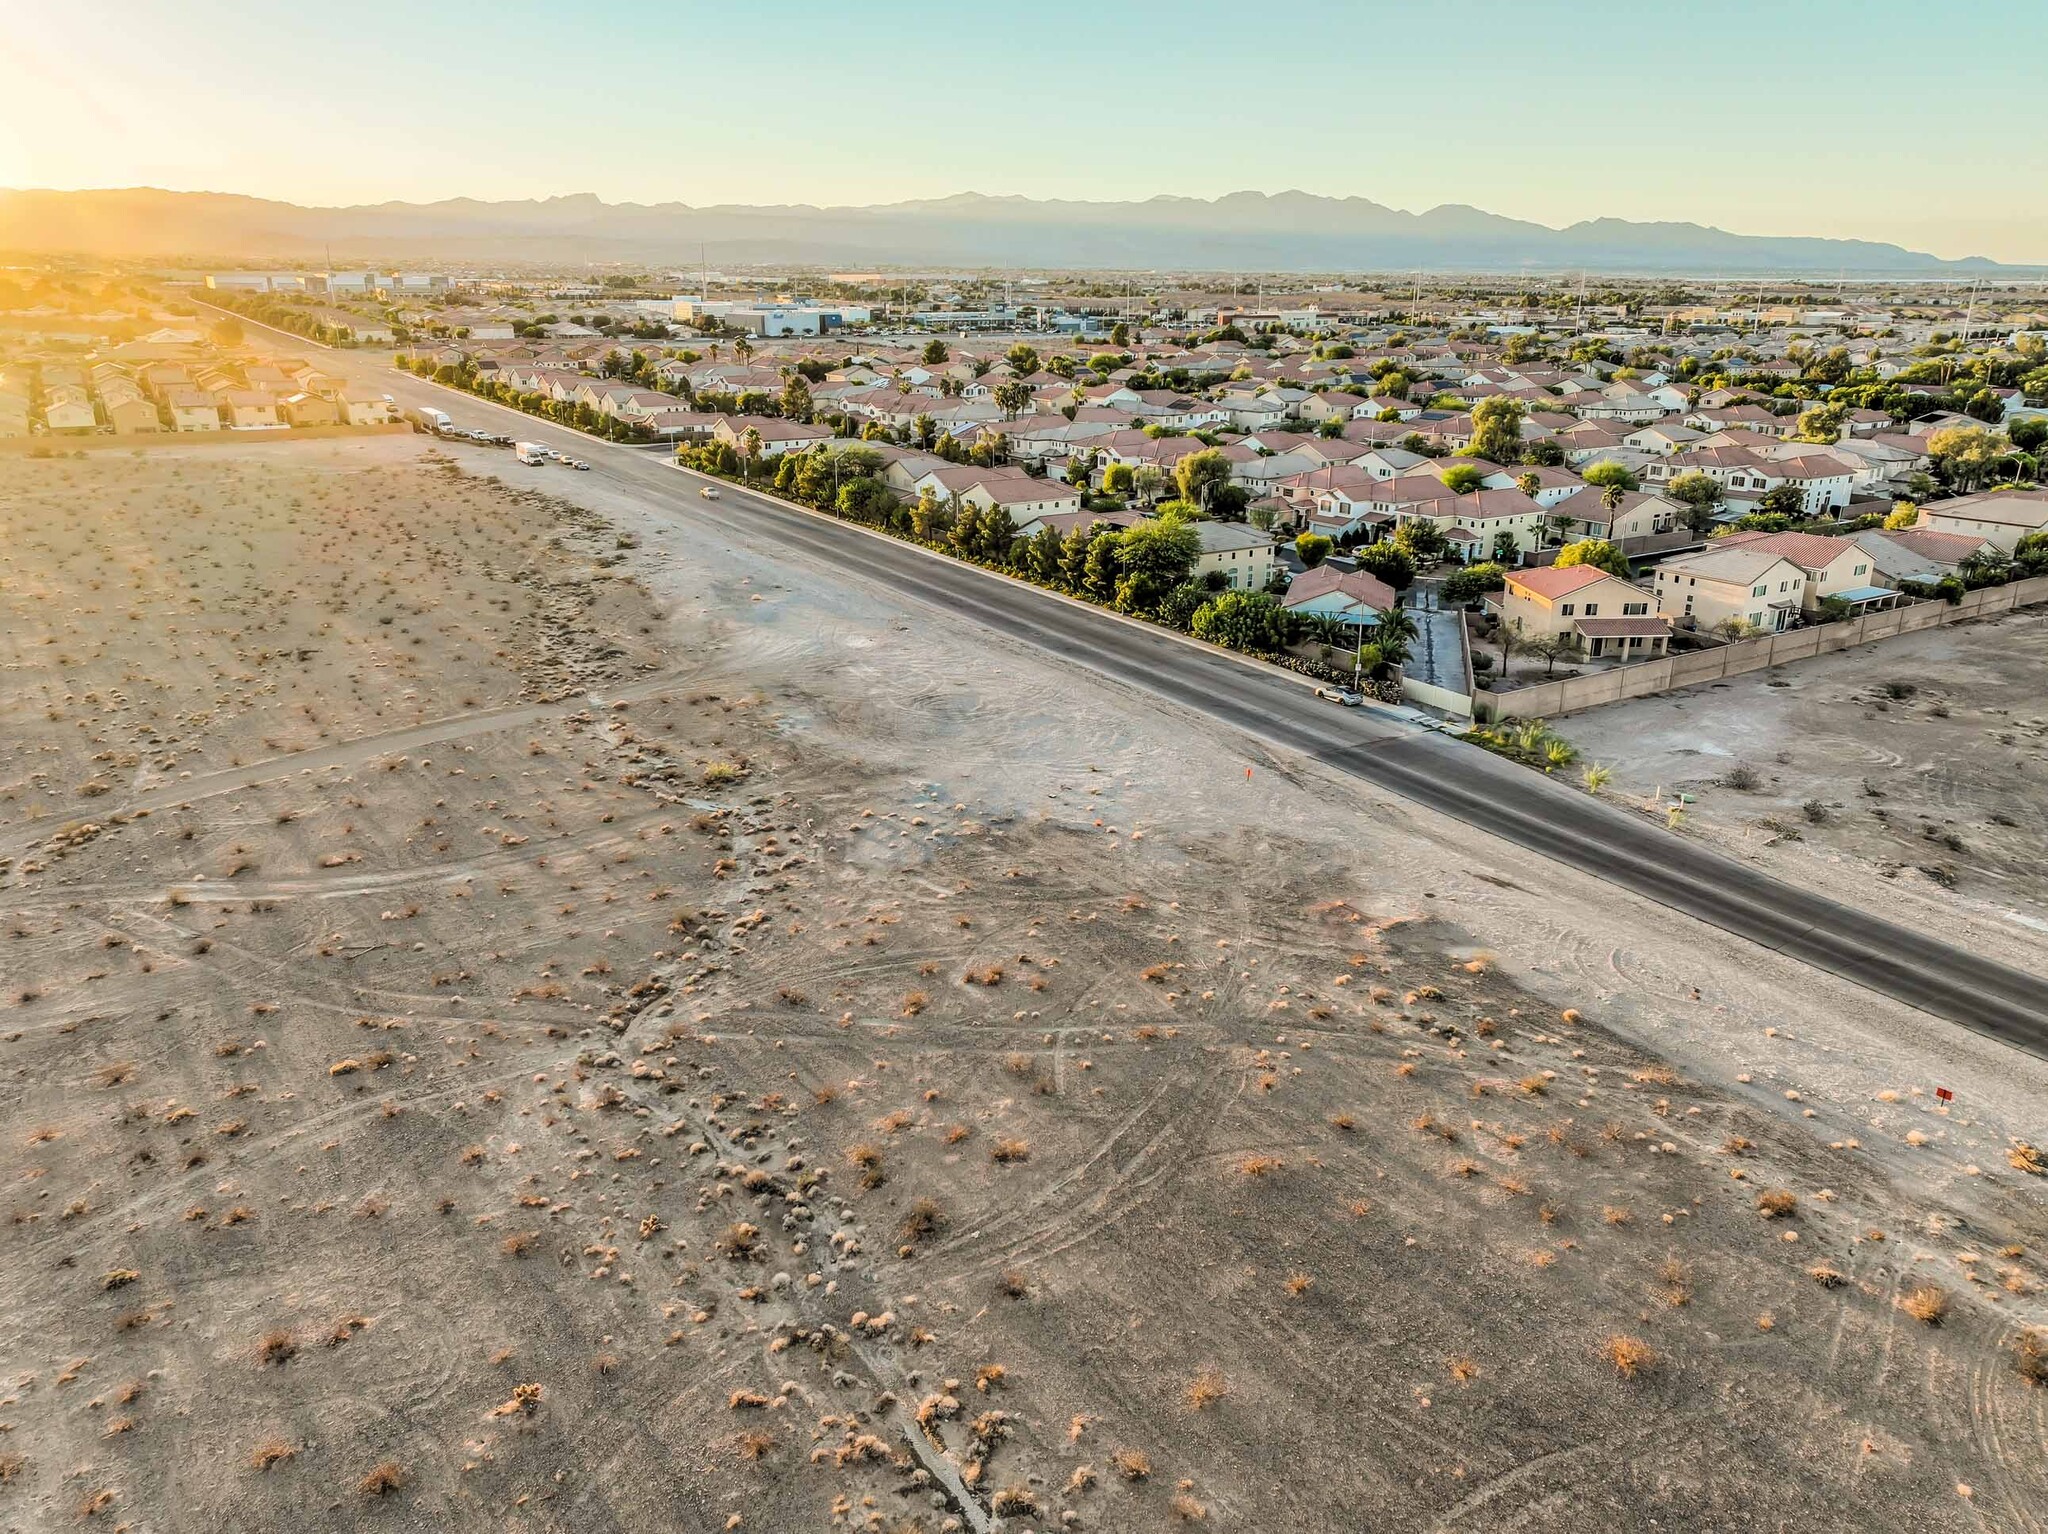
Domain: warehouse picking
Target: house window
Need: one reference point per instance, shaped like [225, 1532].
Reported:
[1566, 609]
[1635, 609]
[1592, 609]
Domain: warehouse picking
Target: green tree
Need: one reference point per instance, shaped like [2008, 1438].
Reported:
[1313, 549]
[1785, 501]
[1421, 540]
[931, 519]
[994, 535]
[1964, 455]
[1497, 429]
[1023, 359]
[1119, 479]
[1597, 552]
[1464, 478]
[1043, 561]
[1472, 582]
[935, 353]
[966, 533]
[1200, 476]
[1394, 635]
[1251, 621]
[1903, 515]
[1608, 472]
[1392, 565]
[1103, 566]
[1153, 558]
[1013, 396]
[1700, 495]
[865, 500]
[796, 398]
[1074, 551]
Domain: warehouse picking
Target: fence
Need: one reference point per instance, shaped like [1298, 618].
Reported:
[1549, 700]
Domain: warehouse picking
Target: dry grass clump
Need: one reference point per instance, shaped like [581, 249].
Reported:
[272, 1451]
[740, 1241]
[1630, 1356]
[1298, 1284]
[276, 1347]
[1185, 1509]
[1259, 1166]
[1777, 1203]
[1206, 1389]
[1825, 1276]
[519, 1243]
[924, 1218]
[1926, 1304]
[868, 1158]
[381, 1480]
[1674, 1281]
[2030, 1356]
[1010, 1149]
[1131, 1464]
[524, 1402]
[2027, 1158]
[915, 1003]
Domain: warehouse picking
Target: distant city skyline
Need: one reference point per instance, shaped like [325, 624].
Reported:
[1876, 120]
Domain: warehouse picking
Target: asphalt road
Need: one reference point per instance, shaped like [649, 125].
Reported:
[1454, 779]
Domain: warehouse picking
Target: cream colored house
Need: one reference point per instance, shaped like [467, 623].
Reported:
[1604, 615]
[192, 409]
[359, 409]
[1764, 592]
[1839, 568]
[67, 408]
[1242, 554]
[2003, 516]
[249, 409]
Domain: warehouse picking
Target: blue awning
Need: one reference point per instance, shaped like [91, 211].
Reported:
[1859, 594]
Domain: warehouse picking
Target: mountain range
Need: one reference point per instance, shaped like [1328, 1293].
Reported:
[1243, 231]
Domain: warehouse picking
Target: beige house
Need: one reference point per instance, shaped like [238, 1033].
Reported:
[2003, 516]
[1834, 567]
[127, 411]
[192, 409]
[1602, 614]
[249, 409]
[359, 409]
[1028, 501]
[309, 410]
[1763, 592]
[66, 407]
[1242, 554]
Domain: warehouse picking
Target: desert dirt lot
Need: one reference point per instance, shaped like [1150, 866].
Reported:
[522, 1012]
[1905, 776]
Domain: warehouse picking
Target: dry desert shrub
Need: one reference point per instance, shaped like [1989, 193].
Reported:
[1185, 1509]
[1298, 1284]
[755, 1446]
[1630, 1356]
[381, 1480]
[1825, 1276]
[1926, 1304]
[923, 1219]
[2030, 1356]
[1256, 1166]
[276, 1347]
[519, 1243]
[1777, 1203]
[2027, 1158]
[1205, 1390]
[272, 1451]
[915, 1003]
[1131, 1464]
[1009, 1150]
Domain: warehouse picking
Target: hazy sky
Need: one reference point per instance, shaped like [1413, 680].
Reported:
[1904, 120]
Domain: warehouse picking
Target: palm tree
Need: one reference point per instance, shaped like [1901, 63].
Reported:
[1394, 634]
